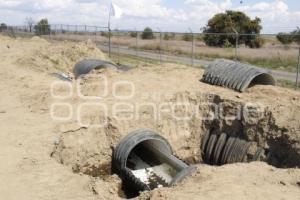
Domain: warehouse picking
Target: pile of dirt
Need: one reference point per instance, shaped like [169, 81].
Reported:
[50, 57]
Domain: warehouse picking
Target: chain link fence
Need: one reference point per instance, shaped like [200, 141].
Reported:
[185, 48]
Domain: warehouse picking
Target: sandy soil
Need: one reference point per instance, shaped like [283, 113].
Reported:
[42, 158]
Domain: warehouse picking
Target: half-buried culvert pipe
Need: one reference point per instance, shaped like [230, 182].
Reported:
[236, 75]
[87, 65]
[144, 160]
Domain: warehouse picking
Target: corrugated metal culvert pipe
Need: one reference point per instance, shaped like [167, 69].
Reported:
[87, 65]
[236, 75]
[145, 160]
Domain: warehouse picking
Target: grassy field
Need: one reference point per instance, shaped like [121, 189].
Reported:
[272, 55]
[287, 84]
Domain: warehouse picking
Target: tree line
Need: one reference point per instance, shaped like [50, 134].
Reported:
[232, 28]
[40, 28]
[222, 30]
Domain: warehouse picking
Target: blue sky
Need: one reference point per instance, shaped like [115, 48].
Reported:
[168, 15]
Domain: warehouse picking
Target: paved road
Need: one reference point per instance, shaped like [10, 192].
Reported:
[185, 60]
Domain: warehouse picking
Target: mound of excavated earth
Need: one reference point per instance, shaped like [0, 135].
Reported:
[61, 148]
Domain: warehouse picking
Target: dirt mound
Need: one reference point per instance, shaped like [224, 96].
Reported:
[249, 181]
[58, 56]
[38, 39]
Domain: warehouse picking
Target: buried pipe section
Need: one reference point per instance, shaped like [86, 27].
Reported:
[220, 149]
[145, 161]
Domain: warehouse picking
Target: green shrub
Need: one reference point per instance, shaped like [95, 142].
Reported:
[285, 38]
[169, 36]
[288, 38]
[199, 37]
[187, 37]
[227, 44]
[166, 36]
[106, 34]
[3, 27]
[255, 42]
[296, 35]
[147, 34]
[42, 27]
[133, 34]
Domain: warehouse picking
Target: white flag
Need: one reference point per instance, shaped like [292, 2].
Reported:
[115, 11]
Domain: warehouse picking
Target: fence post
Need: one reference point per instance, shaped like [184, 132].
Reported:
[160, 61]
[160, 47]
[298, 70]
[236, 46]
[192, 56]
[95, 34]
[137, 43]
[193, 49]
[49, 28]
[109, 42]
[137, 47]
[118, 35]
[85, 33]
[55, 30]
[44, 33]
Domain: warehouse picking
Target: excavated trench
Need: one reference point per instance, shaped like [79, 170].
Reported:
[145, 160]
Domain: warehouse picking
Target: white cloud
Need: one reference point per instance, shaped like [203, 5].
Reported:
[144, 8]
[141, 13]
[276, 15]
[48, 5]
[9, 4]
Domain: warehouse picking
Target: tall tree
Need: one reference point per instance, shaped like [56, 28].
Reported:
[30, 23]
[223, 29]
